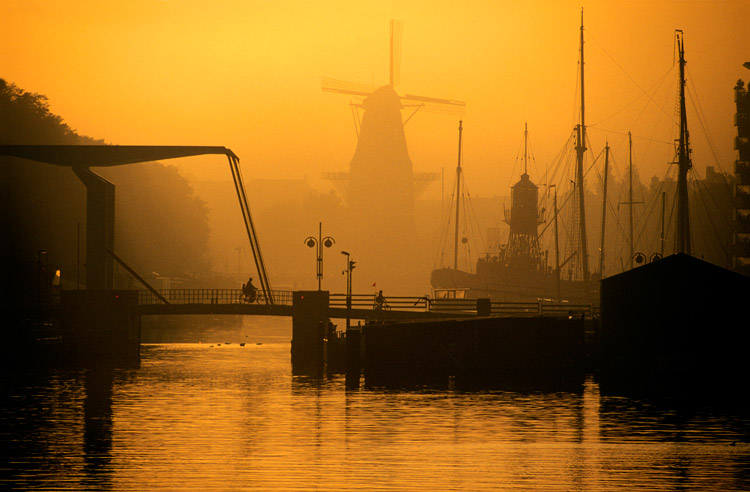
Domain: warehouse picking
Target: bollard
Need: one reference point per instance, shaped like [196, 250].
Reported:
[484, 307]
[309, 323]
[353, 357]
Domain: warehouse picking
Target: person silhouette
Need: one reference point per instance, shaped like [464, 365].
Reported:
[379, 300]
[249, 290]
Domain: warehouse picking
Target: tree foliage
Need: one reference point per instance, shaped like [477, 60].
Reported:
[161, 226]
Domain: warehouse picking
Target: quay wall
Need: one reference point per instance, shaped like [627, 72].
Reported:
[488, 351]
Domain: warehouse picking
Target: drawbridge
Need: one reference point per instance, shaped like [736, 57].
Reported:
[100, 200]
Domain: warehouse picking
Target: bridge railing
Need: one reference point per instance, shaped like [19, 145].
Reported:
[367, 302]
[463, 306]
[543, 308]
[211, 296]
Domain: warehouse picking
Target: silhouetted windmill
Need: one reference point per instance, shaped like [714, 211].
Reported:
[380, 179]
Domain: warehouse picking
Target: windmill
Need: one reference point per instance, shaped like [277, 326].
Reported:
[381, 179]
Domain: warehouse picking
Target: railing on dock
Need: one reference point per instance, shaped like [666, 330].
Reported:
[460, 307]
[392, 303]
[465, 306]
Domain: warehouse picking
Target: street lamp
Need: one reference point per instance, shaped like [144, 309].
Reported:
[349, 267]
[320, 241]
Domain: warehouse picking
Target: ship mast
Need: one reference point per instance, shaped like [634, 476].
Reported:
[604, 209]
[682, 236]
[458, 196]
[630, 196]
[525, 147]
[580, 150]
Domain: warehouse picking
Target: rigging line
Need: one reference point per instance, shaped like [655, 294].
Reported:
[610, 207]
[700, 183]
[614, 211]
[672, 212]
[445, 231]
[722, 249]
[474, 225]
[655, 87]
[664, 184]
[590, 36]
[643, 220]
[696, 102]
[634, 136]
[650, 207]
[559, 210]
[530, 151]
[564, 152]
[592, 162]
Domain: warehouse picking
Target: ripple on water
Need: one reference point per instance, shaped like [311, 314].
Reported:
[196, 417]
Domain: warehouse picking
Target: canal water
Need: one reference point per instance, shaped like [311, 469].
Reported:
[205, 413]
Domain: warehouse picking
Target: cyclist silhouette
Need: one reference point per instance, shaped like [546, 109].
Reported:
[249, 291]
[379, 301]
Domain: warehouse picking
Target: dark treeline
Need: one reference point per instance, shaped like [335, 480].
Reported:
[161, 225]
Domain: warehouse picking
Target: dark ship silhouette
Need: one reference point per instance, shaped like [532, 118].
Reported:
[520, 271]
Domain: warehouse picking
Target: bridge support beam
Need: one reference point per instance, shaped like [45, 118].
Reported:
[310, 319]
[100, 229]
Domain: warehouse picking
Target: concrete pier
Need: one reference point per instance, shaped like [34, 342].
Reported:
[353, 357]
[500, 352]
[309, 326]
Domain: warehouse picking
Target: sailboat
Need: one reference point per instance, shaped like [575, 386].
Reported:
[521, 270]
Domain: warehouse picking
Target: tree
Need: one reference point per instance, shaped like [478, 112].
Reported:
[161, 226]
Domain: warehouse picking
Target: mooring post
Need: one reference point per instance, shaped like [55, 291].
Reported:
[353, 357]
[309, 320]
[484, 307]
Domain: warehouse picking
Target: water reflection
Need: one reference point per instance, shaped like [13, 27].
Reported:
[234, 418]
[97, 425]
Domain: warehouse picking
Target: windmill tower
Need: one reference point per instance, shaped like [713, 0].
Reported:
[381, 180]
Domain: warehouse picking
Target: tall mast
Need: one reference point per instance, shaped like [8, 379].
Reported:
[557, 248]
[604, 209]
[630, 196]
[580, 149]
[661, 237]
[682, 236]
[458, 196]
[525, 147]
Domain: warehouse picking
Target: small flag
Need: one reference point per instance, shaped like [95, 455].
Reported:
[373, 284]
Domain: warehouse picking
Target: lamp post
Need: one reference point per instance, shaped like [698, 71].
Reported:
[349, 267]
[320, 241]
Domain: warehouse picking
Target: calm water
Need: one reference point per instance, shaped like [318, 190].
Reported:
[203, 417]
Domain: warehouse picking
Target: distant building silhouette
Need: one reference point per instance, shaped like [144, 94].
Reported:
[380, 185]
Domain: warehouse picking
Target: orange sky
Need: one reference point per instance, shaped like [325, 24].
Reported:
[247, 74]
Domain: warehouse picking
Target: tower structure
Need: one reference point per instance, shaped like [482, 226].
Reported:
[523, 251]
[523, 248]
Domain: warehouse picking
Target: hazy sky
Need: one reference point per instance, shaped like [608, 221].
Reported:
[246, 74]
